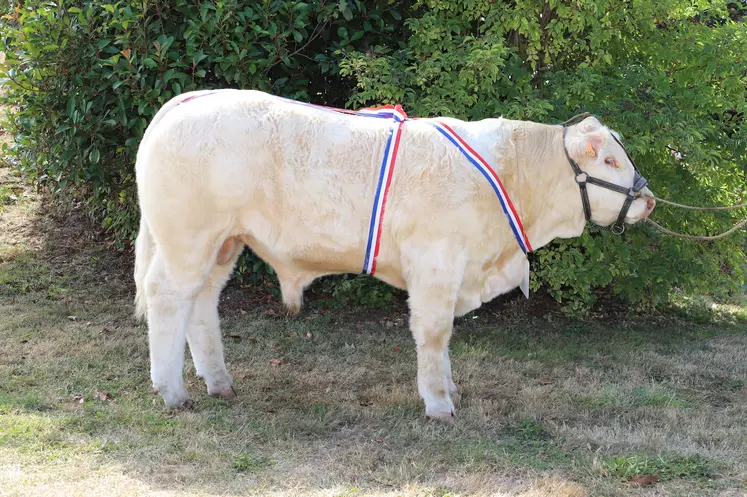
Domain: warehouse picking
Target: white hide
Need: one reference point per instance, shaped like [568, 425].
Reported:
[296, 184]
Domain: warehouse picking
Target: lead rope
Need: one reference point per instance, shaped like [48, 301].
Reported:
[718, 208]
[661, 228]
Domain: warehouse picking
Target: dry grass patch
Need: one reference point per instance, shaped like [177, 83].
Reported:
[18, 203]
[341, 411]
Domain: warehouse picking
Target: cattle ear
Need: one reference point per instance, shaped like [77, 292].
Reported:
[592, 143]
[590, 124]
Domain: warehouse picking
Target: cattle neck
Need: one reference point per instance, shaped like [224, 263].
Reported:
[543, 184]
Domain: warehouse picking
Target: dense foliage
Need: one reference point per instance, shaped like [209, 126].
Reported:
[90, 75]
[86, 77]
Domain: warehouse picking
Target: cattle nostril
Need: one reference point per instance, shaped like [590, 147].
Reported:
[650, 204]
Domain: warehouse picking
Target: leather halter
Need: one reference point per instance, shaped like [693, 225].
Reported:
[582, 179]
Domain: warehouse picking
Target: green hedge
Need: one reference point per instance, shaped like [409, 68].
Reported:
[86, 77]
[89, 76]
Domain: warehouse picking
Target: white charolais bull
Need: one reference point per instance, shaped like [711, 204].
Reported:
[296, 184]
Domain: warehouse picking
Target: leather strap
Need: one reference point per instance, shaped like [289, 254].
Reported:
[582, 179]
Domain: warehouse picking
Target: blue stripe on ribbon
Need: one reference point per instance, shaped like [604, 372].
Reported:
[490, 180]
[377, 197]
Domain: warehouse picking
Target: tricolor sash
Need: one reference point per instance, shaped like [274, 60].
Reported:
[482, 165]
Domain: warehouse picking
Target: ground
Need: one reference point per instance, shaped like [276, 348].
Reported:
[327, 405]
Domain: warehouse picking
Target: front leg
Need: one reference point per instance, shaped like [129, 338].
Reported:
[432, 331]
[434, 278]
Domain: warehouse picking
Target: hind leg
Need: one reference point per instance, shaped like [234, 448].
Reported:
[171, 291]
[203, 333]
[180, 269]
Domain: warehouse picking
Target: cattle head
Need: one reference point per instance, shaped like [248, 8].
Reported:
[598, 152]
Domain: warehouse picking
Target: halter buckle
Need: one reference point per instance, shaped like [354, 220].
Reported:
[580, 180]
[618, 229]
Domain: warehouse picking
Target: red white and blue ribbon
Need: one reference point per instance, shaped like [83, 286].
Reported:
[385, 179]
[192, 97]
[481, 164]
[397, 114]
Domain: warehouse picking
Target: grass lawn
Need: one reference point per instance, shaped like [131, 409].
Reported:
[547, 406]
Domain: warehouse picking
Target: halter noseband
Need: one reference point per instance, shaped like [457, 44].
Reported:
[582, 179]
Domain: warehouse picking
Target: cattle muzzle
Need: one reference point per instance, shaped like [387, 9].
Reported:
[583, 179]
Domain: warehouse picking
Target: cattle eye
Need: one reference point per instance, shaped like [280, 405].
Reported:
[610, 161]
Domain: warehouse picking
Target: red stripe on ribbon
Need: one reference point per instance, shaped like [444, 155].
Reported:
[487, 166]
[386, 192]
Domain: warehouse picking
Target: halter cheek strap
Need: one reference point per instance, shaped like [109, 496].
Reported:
[582, 179]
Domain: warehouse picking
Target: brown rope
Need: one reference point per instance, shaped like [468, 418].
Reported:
[739, 225]
[719, 208]
[661, 228]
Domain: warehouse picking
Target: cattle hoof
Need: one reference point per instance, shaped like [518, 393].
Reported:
[292, 310]
[174, 399]
[225, 394]
[442, 411]
[186, 405]
[443, 417]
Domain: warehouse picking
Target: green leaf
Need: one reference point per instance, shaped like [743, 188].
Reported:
[70, 106]
[345, 9]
